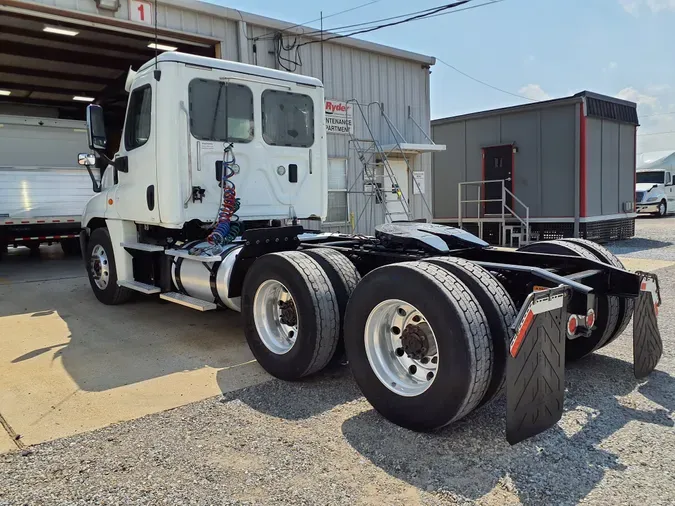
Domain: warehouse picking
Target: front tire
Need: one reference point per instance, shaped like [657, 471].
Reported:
[102, 271]
[663, 209]
[291, 314]
[418, 345]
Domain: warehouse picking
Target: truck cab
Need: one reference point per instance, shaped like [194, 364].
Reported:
[654, 190]
[183, 111]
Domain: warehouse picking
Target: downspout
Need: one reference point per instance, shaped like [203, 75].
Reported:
[579, 157]
[242, 42]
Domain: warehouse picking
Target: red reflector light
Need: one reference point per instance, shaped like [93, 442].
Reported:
[572, 324]
[590, 318]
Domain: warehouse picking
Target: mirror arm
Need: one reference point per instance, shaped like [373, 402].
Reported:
[96, 186]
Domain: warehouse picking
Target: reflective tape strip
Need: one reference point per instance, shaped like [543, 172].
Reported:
[538, 306]
[41, 220]
[520, 335]
[46, 237]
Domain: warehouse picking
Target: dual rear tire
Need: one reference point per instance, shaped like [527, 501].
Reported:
[426, 341]
[613, 313]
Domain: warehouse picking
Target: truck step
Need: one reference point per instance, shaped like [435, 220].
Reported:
[141, 246]
[184, 254]
[187, 301]
[139, 287]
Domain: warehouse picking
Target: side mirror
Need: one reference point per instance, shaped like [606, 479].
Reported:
[89, 161]
[86, 159]
[96, 128]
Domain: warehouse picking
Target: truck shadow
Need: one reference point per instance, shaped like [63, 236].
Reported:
[105, 347]
[470, 458]
[102, 348]
[636, 245]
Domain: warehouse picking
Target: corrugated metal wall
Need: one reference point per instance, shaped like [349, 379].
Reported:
[544, 166]
[610, 166]
[348, 74]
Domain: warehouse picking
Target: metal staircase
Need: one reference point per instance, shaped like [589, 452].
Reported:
[514, 228]
[378, 178]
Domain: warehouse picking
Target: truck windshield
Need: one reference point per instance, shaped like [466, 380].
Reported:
[650, 177]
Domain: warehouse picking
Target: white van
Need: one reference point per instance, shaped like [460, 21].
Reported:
[654, 190]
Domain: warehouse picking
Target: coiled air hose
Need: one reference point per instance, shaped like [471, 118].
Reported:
[227, 225]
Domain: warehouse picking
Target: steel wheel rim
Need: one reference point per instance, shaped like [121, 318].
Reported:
[100, 267]
[662, 209]
[386, 334]
[273, 306]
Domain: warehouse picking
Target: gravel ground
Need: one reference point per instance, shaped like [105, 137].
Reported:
[655, 240]
[320, 442]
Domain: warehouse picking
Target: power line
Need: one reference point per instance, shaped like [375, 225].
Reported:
[657, 133]
[395, 23]
[344, 28]
[484, 83]
[340, 29]
[656, 114]
[264, 35]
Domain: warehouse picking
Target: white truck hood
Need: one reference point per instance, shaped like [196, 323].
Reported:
[644, 187]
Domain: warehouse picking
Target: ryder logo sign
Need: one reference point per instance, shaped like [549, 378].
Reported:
[339, 118]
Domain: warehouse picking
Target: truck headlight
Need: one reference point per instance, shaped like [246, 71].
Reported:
[652, 199]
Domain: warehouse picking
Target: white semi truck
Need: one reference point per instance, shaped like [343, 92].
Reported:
[200, 206]
[42, 189]
[654, 185]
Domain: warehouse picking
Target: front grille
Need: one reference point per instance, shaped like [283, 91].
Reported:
[638, 196]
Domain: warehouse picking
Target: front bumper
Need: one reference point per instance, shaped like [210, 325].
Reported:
[647, 208]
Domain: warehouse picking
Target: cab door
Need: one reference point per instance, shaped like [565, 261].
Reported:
[670, 192]
[291, 178]
[136, 194]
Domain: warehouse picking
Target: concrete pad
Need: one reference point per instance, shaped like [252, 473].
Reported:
[70, 364]
[644, 264]
[6, 443]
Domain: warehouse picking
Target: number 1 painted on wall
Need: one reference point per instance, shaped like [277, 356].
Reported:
[141, 11]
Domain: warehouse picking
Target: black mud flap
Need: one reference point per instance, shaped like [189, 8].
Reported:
[535, 371]
[647, 343]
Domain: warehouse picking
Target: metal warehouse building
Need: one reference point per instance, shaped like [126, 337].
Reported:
[564, 167]
[55, 54]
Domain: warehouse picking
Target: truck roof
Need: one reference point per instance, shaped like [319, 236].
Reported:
[230, 66]
[656, 160]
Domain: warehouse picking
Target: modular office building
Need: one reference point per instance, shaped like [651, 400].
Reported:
[568, 164]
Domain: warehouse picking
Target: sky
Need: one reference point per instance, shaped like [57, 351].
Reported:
[537, 49]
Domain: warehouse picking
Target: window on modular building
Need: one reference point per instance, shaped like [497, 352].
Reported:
[220, 111]
[288, 119]
[137, 128]
[338, 210]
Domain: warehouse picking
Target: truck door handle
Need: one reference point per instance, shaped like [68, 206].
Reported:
[150, 197]
[292, 173]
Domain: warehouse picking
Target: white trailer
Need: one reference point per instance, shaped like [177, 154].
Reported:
[42, 188]
[217, 163]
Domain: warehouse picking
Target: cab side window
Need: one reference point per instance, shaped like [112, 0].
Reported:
[137, 128]
[668, 179]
